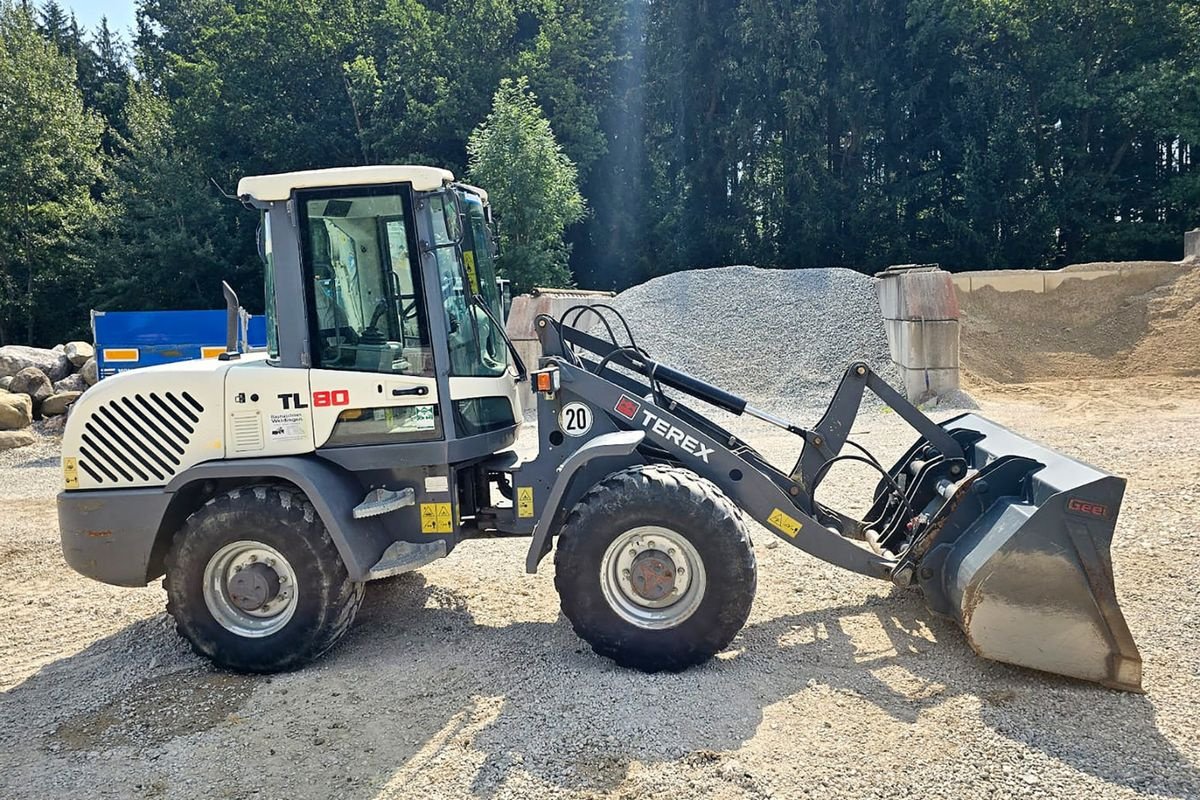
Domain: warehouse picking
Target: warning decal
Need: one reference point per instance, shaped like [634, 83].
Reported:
[525, 501]
[787, 524]
[436, 518]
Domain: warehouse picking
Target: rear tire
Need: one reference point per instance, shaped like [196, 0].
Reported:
[615, 583]
[313, 601]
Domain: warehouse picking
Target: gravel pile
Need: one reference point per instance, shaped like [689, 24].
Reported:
[778, 337]
[463, 680]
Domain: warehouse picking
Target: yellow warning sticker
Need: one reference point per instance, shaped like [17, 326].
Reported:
[472, 275]
[788, 525]
[436, 518]
[71, 472]
[525, 501]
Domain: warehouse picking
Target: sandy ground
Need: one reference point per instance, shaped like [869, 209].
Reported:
[463, 680]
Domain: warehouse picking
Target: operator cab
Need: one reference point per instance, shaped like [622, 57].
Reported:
[401, 314]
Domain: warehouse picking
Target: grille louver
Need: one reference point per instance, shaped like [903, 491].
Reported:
[247, 431]
[138, 438]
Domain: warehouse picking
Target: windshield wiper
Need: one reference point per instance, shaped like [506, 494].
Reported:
[522, 371]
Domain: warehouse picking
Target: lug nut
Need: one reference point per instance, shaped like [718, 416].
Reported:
[270, 562]
[650, 543]
[625, 574]
[670, 551]
[253, 559]
[679, 571]
[633, 551]
[283, 578]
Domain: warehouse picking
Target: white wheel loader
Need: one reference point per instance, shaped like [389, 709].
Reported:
[374, 436]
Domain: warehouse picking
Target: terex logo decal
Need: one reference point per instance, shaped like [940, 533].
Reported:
[677, 437]
[1087, 508]
[627, 407]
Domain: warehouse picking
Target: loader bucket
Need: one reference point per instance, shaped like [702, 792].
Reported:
[1019, 556]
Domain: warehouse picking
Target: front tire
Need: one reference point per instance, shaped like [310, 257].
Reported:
[255, 583]
[654, 569]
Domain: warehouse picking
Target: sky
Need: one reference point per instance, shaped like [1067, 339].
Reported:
[89, 12]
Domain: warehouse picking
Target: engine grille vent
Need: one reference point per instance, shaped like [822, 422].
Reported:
[139, 439]
[247, 431]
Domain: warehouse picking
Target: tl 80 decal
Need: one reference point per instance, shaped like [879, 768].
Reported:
[336, 397]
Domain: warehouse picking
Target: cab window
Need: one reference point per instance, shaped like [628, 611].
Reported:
[365, 304]
[477, 348]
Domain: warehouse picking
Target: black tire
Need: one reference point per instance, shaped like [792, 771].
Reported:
[282, 518]
[687, 505]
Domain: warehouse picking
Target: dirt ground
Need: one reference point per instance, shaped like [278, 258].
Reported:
[462, 680]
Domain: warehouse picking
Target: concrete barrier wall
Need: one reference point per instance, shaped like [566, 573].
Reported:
[526, 308]
[920, 314]
[1036, 280]
[1191, 245]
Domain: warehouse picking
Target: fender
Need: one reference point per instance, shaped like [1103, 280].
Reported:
[620, 443]
[332, 491]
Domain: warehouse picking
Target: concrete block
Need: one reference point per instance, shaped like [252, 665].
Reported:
[1010, 281]
[921, 384]
[917, 345]
[1191, 245]
[918, 295]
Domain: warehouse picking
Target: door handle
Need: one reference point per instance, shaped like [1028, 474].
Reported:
[417, 390]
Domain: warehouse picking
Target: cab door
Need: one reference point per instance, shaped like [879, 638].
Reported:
[372, 380]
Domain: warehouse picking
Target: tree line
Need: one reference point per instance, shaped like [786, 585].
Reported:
[653, 136]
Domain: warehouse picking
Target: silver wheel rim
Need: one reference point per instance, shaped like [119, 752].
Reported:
[251, 623]
[645, 550]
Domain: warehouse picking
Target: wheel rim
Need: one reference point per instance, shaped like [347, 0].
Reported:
[250, 589]
[652, 577]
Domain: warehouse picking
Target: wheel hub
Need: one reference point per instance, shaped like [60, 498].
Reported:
[253, 587]
[250, 588]
[652, 575]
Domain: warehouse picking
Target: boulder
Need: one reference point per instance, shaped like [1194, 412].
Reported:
[33, 382]
[79, 352]
[16, 411]
[57, 404]
[71, 383]
[5, 382]
[53, 425]
[59, 348]
[90, 372]
[15, 357]
[12, 439]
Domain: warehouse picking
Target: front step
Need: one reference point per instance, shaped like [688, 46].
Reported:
[382, 501]
[405, 557]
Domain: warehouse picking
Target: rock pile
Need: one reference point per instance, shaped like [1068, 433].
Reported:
[779, 337]
[37, 383]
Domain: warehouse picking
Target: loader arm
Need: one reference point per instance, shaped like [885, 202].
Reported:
[1007, 537]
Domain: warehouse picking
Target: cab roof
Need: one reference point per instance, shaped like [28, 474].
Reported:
[281, 186]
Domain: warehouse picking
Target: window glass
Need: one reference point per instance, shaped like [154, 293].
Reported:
[366, 285]
[264, 245]
[476, 348]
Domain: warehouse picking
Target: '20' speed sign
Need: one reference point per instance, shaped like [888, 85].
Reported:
[575, 419]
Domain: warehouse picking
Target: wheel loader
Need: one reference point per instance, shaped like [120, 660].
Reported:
[375, 435]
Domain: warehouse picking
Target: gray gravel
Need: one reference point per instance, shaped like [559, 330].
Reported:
[781, 337]
[463, 680]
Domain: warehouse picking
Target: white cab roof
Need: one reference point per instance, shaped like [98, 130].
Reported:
[281, 186]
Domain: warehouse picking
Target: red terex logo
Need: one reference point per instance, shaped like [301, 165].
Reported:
[1086, 507]
[627, 407]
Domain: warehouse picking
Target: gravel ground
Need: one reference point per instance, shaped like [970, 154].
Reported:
[698, 320]
[463, 679]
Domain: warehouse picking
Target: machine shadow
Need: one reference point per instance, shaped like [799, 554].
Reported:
[422, 679]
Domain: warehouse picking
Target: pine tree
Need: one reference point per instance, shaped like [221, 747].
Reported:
[532, 185]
